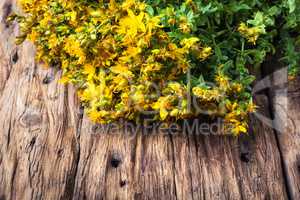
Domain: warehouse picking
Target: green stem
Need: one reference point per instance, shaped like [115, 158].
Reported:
[189, 89]
[217, 49]
[243, 47]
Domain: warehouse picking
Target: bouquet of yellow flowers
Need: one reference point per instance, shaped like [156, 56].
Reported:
[169, 59]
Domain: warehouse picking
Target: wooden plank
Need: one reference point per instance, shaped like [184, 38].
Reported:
[164, 166]
[37, 124]
[37, 134]
[287, 121]
[105, 168]
[231, 168]
[47, 151]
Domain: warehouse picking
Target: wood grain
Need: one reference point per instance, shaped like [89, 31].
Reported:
[50, 150]
[286, 109]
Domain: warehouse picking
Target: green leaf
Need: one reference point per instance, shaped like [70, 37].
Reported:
[236, 7]
[150, 10]
[258, 19]
[292, 5]
[248, 80]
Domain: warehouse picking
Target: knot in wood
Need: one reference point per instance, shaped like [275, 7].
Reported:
[15, 57]
[31, 119]
[245, 157]
[47, 79]
[123, 183]
[115, 160]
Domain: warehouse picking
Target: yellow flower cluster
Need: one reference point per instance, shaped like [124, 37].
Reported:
[250, 33]
[237, 119]
[124, 63]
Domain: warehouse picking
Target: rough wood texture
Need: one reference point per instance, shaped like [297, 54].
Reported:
[286, 109]
[49, 150]
[179, 167]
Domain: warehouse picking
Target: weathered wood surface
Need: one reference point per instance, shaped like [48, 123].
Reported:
[286, 108]
[50, 150]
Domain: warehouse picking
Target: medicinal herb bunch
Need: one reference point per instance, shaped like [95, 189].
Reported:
[172, 59]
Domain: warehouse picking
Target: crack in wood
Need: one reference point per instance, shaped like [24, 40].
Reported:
[7, 9]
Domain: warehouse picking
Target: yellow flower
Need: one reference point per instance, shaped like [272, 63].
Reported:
[131, 25]
[127, 4]
[120, 83]
[172, 21]
[94, 115]
[231, 106]
[122, 70]
[222, 81]
[89, 70]
[133, 51]
[73, 48]
[251, 107]
[175, 86]
[112, 5]
[152, 67]
[90, 92]
[238, 129]
[162, 105]
[183, 25]
[236, 87]
[207, 94]
[53, 41]
[188, 1]
[205, 53]
[64, 80]
[73, 17]
[175, 112]
[187, 43]
[163, 113]
[251, 34]
[138, 98]
[33, 36]
[46, 19]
